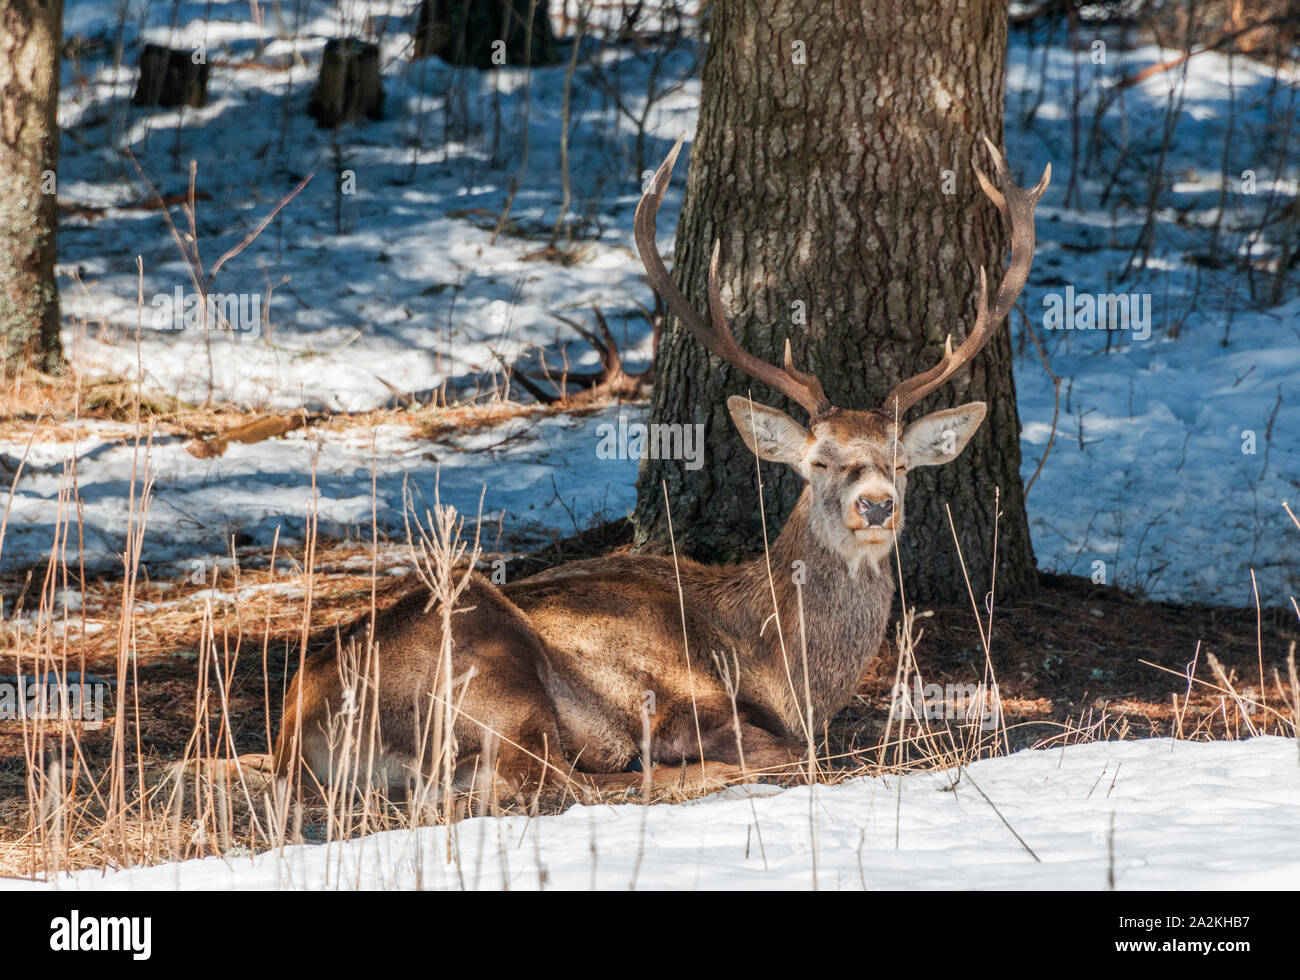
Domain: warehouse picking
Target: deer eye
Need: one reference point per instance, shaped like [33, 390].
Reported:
[818, 464]
[900, 468]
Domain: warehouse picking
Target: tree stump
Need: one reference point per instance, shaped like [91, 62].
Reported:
[349, 84]
[485, 34]
[170, 78]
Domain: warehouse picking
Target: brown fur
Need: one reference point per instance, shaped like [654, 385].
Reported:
[559, 665]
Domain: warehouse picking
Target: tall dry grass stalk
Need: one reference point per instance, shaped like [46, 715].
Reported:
[128, 807]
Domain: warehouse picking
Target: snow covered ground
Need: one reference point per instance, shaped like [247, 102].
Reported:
[1154, 814]
[1177, 438]
[1172, 453]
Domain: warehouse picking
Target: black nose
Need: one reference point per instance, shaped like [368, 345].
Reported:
[876, 512]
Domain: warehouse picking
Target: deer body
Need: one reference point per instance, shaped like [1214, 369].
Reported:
[727, 669]
[636, 643]
[583, 652]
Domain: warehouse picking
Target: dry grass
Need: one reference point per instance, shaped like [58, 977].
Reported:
[200, 667]
[62, 408]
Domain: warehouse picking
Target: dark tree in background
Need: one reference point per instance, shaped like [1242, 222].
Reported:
[463, 32]
[30, 44]
[833, 161]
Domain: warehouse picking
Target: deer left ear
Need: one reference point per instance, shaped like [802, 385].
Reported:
[768, 432]
[940, 437]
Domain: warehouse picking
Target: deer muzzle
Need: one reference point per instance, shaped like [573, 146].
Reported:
[876, 513]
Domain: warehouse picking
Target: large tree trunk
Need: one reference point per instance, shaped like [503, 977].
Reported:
[825, 182]
[31, 33]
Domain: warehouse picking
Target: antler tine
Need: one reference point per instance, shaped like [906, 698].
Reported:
[717, 337]
[643, 229]
[1016, 205]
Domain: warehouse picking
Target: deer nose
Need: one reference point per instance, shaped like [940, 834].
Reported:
[875, 512]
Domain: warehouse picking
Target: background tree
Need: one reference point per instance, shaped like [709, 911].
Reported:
[31, 33]
[464, 32]
[833, 161]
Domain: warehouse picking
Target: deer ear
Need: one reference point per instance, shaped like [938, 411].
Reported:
[768, 432]
[940, 437]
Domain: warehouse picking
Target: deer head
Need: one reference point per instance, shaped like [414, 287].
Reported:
[854, 461]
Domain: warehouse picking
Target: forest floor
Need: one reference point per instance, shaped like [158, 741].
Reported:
[394, 320]
[1075, 662]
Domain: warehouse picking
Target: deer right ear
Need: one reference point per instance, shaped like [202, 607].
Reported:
[940, 437]
[768, 432]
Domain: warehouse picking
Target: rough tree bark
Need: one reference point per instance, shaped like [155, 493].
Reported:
[825, 182]
[31, 33]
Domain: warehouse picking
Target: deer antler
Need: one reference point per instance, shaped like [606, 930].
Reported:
[717, 337]
[1017, 206]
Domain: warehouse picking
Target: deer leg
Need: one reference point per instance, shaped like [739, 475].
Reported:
[523, 762]
[765, 754]
[693, 777]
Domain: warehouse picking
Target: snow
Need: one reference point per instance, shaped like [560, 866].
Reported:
[1152, 814]
[1172, 453]
[537, 470]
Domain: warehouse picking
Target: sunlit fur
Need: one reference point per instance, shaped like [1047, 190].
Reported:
[563, 662]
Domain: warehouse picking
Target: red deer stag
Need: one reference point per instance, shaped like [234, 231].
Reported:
[556, 667]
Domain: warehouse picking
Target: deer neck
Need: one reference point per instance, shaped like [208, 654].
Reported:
[835, 606]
